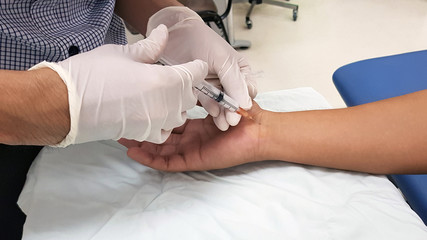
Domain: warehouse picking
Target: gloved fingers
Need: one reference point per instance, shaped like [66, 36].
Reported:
[151, 48]
[129, 143]
[213, 79]
[211, 106]
[175, 95]
[252, 87]
[178, 120]
[232, 118]
[171, 16]
[191, 73]
[251, 83]
[179, 95]
[234, 84]
[220, 121]
[159, 138]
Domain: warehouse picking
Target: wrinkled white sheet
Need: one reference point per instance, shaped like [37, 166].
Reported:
[93, 191]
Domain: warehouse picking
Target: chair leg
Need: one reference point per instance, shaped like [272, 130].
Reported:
[294, 7]
[248, 15]
[279, 3]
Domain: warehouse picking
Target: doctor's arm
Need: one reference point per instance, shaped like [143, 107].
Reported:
[110, 92]
[384, 137]
[33, 107]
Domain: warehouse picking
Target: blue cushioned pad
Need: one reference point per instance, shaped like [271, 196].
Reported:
[385, 77]
[380, 78]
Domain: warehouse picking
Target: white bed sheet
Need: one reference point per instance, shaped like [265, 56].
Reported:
[94, 191]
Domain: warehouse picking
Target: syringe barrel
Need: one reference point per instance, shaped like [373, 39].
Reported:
[218, 95]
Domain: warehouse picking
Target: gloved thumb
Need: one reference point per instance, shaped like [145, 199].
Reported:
[151, 48]
[194, 71]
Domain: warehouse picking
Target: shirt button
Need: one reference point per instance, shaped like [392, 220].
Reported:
[73, 50]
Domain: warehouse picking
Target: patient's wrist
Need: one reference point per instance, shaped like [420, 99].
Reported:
[265, 121]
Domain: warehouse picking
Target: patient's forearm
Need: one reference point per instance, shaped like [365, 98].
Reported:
[137, 12]
[33, 107]
[388, 136]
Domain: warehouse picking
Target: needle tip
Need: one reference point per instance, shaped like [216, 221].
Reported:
[244, 113]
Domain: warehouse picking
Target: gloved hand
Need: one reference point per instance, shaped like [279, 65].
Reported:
[190, 38]
[116, 91]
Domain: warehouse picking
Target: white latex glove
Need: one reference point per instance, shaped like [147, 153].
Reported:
[190, 38]
[115, 91]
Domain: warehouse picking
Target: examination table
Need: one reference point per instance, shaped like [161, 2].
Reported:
[94, 191]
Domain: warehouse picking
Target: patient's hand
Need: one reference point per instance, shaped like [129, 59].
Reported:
[200, 145]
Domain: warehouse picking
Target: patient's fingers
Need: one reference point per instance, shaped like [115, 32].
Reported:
[128, 143]
[156, 149]
[174, 138]
[221, 122]
[170, 163]
[209, 105]
[153, 149]
[180, 129]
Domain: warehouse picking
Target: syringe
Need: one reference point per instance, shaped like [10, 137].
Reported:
[222, 98]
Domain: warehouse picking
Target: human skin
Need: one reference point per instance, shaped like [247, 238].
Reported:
[33, 107]
[137, 12]
[384, 137]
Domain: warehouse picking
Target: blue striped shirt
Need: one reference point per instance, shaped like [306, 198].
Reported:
[32, 31]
